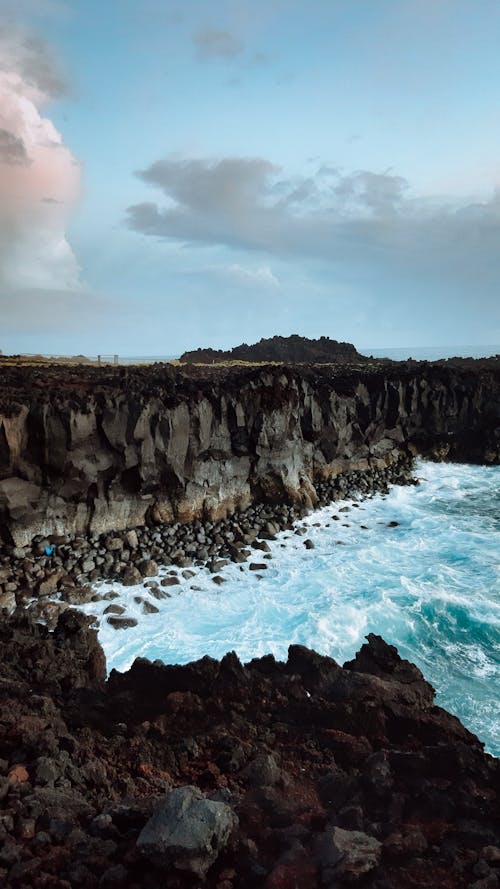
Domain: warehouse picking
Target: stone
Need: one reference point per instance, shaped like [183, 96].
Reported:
[148, 568]
[131, 576]
[347, 854]
[47, 771]
[18, 774]
[49, 586]
[188, 831]
[262, 545]
[257, 566]
[170, 581]
[308, 544]
[263, 771]
[78, 595]
[132, 539]
[149, 608]
[114, 544]
[114, 609]
[114, 876]
[122, 623]
[216, 565]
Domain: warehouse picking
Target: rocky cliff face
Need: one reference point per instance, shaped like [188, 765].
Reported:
[101, 449]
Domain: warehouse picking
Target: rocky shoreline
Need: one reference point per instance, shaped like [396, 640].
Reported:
[47, 585]
[296, 775]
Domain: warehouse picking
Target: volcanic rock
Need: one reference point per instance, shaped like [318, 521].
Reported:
[338, 776]
[188, 831]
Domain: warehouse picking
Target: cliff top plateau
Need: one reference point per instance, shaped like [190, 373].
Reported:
[165, 378]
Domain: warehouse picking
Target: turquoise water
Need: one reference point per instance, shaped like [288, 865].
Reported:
[430, 586]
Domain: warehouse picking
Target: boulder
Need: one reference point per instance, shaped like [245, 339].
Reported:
[131, 576]
[188, 831]
[347, 854]
[78, 595]
[148, 568]
[49, 585]
[122, 623]
[132, 539]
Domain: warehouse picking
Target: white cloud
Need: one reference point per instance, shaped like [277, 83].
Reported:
[252, 276]
[39, 177]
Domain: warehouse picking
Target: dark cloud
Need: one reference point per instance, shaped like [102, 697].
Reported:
[367, 224]
[242, 201]
[32, 59]
[212, 44]
[38, 67]
[381, 192]
[12, 149]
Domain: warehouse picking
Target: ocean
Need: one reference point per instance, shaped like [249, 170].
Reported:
[433, 353]
[429, 585]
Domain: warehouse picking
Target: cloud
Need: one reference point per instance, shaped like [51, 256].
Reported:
[44, 310]
[248, 276]
[244, 202]
[12, 149]
[214, 44]
[28, 58]
[39, 177]
[40, 8]
[367, 225]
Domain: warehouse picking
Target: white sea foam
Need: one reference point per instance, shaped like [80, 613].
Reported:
[430, 586]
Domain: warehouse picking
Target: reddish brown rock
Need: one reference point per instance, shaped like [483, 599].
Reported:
[324, 795]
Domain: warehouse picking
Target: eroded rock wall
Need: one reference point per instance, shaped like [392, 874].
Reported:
[95, 449]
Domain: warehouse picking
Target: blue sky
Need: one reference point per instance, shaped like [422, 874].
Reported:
[248, 168]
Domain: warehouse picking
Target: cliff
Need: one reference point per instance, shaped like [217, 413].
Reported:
[221, 775]
[283, 349]
[97, 449]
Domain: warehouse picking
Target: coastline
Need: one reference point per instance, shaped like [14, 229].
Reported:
[324, 774]
[134, 556]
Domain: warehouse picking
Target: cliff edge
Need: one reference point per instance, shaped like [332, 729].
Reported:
[94, 449]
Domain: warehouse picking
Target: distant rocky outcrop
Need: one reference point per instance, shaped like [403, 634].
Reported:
[218, 775]
[283, 349]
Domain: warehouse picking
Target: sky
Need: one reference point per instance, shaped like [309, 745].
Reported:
[187, 174]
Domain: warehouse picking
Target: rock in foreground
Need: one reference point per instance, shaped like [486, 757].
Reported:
[264, 776]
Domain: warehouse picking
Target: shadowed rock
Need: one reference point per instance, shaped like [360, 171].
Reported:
[188, 831]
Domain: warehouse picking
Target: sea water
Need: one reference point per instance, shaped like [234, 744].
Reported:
[433, 353]
[429, 584]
